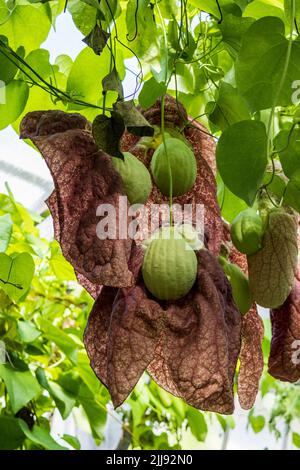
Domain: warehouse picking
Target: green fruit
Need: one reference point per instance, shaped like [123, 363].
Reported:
[240, 285]
[136, 178]
[247, 232]
[170, 266]
[183, 167]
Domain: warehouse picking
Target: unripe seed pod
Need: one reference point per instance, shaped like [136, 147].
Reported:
[170, 266]
[183, 167]
[135, 176]
[247, 232]
[240, 285]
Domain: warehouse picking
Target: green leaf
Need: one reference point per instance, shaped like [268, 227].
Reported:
[92, 3]
[168, 8]
[39, 60]
[222, 422]
[16, 273]
[13, 99]
[151, 91]
[292, 192]
[4, 301]
[64, 401]
[240, 285]
[296, 439]
[95, 413]
[230, 204]
[73, 441]
[141, 27]
[229, 107]
[257, 423]
[133, 119]
[233, 28]
[6, 228]
[87, 72]
[34, 19]
[62, 269]
[64, 63]
[260, 8]
[209, 6]
[261, 62]
[287, 144]
[288, 11]
[109, 10]
[107, 133]
[276, 183]
[197, 424]
[84, 16]
[11, 435]
[27, 331]
[40, 437]
[86, 373]
[59, 337]
[8, 69]
[71, 381]
[242, 158]
[21, 386]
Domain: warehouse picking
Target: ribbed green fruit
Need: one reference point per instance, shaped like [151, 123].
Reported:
[247, 232]
[183, 167]
[169, 267]
[240, 285]
[135, 176]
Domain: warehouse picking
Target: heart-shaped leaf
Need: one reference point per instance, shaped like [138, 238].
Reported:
[287, 144]
[6, 226]
[242, 158]
[292, 192]
[16, 273]
[261, 64]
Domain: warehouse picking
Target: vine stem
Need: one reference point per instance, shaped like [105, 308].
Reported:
[168, 158]
[163, 115]
[18, 286]
[283, 77]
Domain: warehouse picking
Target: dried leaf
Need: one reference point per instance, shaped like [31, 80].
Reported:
[93, 289]
[271, 270]
[133, 119]
[46, 123]
[96, 335]
[134, 332]
[122, 333]
[251, 355]
[112, 82]
[107, 133]
[97, 39]
[175, 113]
[198, 351]
[53, 208]
[251, 358]
[284, 360]
[84, 178]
